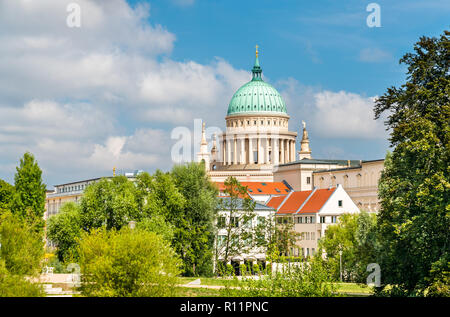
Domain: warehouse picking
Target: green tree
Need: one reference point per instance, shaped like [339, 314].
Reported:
[112, 203]
[237, 213]
[196, 229]
[159, 225]
[64, 229]
[285, 236]
[29, 201]
[127, 263]
[354, 236]
[414, 219]
[22, 249]
[6, 196]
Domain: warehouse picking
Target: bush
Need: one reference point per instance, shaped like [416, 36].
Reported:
[127, 263]
[310, 279]
[12, 285]
[22, 249]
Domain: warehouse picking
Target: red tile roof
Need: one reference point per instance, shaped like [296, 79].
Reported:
[274, 202]
[262, 188]
[317, 200]
[293, 202]
[308, 201]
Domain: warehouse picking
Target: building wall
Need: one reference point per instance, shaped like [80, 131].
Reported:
[312, 226]
[360, 183]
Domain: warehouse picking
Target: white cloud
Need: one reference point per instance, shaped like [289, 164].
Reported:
[374, 55]
[107, 94]
[331, 114]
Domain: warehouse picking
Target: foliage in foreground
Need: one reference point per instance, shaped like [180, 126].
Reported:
[14, 285]
[22, 248]
[414, 188]
[355, 236]
[127, 263]
[21, 252]
[306, 279]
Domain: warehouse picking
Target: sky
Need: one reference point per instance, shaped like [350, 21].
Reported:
[111, 92]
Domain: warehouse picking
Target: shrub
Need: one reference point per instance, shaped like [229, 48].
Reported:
[12, 285]
[307, 280]
[22, 249]
[127, 263]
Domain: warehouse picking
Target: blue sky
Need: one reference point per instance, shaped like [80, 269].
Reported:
[111, 92]
[317, 42]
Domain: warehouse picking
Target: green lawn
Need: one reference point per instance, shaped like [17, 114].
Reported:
[342, 288]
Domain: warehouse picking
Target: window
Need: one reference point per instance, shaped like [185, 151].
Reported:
[279, 220]
[221, 240]
[234, 222]
[333, 219]
[322, 219]
[308, 180]
[300, 220]
[221, 222]
[311, 220]
[340, 203]
[313, 236]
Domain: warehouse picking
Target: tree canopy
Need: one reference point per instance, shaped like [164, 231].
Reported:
[414, 188]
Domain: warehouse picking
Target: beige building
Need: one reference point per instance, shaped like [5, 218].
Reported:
[311, 212]
[360, 182]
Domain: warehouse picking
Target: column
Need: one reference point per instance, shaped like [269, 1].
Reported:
[275, 151]
[267, 159]
[250, 150]
[223, 152]
[294, 153]
[235, 161]
[242, 150]
[282, 151]
[260, 151]
[228, 151]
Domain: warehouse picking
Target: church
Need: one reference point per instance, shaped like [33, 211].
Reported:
[258, 146]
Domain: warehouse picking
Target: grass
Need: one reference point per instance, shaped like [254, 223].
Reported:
[196, 292]
[349, 289]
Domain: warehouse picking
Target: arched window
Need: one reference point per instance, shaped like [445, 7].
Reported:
[345, 181]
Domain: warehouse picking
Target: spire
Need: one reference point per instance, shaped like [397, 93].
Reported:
[203, 135]
[257, 71]
[214, 148]
[203, 155]
[305, 151]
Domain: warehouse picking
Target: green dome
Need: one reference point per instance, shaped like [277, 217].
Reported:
[256, 96]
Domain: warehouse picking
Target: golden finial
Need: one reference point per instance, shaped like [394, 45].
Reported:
[256, 50]
[114, 171]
